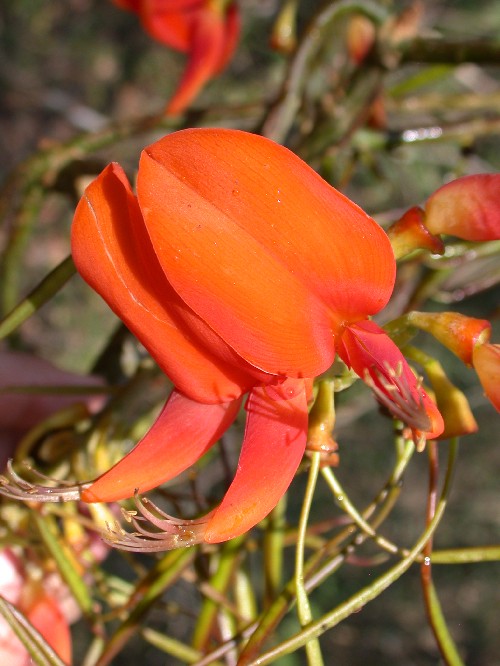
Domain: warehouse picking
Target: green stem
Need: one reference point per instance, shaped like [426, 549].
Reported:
[273, 546]
[435, 615]
[44, 291]
[228, 561]
[283, 113]
[314, 575]
[313, 648]
[162, 576]
[367, 594]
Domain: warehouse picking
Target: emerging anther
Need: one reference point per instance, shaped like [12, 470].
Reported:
[155, 530]
[393, 391]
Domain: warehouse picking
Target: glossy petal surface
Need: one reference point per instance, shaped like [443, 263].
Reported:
[273, 446]
[467, 207]
[183, 432]
[365, 347]
[113, 253]
[486, 359]
[261, 247]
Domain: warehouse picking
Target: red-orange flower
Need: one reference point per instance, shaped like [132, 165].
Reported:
[241, 271]
[468, 207]
[43, 610]
[486, 359]
[468, 338]
[207, 30]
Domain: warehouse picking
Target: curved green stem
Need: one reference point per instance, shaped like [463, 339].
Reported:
[367, 594]
[313, 648]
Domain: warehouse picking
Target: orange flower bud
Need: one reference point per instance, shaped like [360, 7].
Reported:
[460, 334]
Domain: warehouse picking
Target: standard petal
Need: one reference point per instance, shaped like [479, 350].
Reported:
[467, 207]
[486, 360]
[261, 247]
[113, 253]
[368, 350]
[273, 446]
[183, 432]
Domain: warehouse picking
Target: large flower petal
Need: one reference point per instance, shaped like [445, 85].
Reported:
[486, 360]
[468, 207]
[264, 250]
[368, 350]
[182, 433]
[113, 253]
[273, 446]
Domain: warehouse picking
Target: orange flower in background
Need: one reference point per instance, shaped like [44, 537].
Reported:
[207, 30]
[43, 611]
[468, 338]
[242, 272]
[468, 207]
[486, 359]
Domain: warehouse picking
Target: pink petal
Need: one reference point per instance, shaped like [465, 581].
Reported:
[273, 446]
[366, 348]
[183, 432]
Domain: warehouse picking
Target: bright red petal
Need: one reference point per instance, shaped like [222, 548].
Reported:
[273, 446]
[183, 432]
[171, 23]
[113, 253]
[486, 359]
[366, 348]
[263, 249]
[205, 53]
[232, 31]
[467, 207]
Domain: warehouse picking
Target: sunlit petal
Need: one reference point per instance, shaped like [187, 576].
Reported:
[467, 207]
[113, 253]
[183, 432]
[228, 224]
[273, 446]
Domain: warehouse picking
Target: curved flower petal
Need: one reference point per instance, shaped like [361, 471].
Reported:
[467, 207]
[207, 39]
[273, 446]
[227, 213]
[183, 432]
[486, 360]
[370, 352]
[460, 334]
[113, 253]
[232, 31]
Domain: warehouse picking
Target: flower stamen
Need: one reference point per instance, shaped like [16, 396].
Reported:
[394, 392]
[14, 486]
[155, 530]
